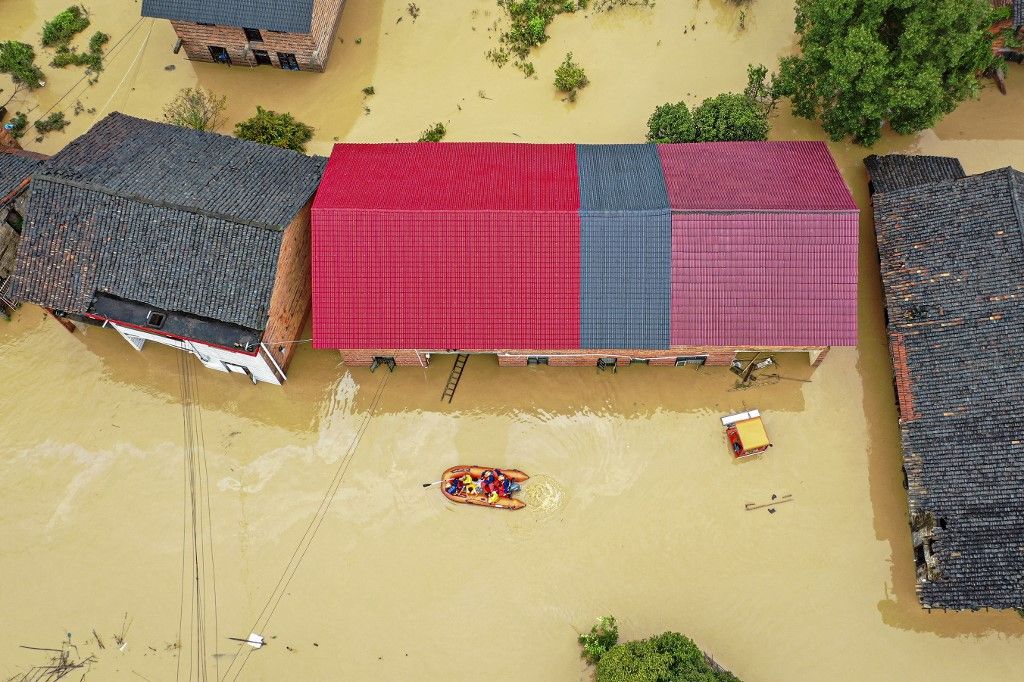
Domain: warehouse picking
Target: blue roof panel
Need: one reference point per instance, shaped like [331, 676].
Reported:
[621, 177]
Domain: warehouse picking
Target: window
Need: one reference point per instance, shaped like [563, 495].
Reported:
[202, 24]
[219, 54]
[639, 361]
[288, 61]
[536, 361]
[684, 360]
[383, 360]
[155, 319]
[253, 35]
[15, 220]
[606, 363]
[262, 57]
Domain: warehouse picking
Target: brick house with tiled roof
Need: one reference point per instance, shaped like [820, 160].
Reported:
[189, 239]
[583, 254]
[951, 248]
[295, 35]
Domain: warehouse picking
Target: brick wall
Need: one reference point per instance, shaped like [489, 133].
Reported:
[580, 358]
[291, 299]
[310, 49]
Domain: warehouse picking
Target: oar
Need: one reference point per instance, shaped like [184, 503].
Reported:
[428, 485]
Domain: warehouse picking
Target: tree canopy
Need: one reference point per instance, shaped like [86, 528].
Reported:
[905, 62]
[671, 123]
[668, 657]
[730, 117]
[280, 130]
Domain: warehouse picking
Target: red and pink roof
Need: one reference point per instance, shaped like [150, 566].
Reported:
[477, 246]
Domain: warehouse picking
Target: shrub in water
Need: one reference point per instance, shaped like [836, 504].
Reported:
[196, 108]
[18, 59]
[730, 117]
[671, 123]
[434, 133]
[602, 637]
[280, 130]
[570, 77]
[63, 27]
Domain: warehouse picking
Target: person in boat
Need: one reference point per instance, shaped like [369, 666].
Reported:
[493, 497]
[470, 485]
[508, 486]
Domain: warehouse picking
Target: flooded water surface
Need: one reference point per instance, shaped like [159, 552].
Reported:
[635, 505]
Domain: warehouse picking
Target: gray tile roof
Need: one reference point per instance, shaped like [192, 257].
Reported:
[952, 262]
[185, 221]
[1018, 12]
[897, 171]
[14, 168]
[291, 16]
[625, 247]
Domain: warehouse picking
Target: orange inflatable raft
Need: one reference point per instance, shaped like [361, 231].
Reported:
[480, 498]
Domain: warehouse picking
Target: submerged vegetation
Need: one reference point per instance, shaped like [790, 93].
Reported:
[59, 31]
[729, 116]
[570, 77]
[279, 130]
[434, 133]
[905, 64]
[668, 657]
[196, 108]
[18, 123]
[53, 122]
[18, 60]
[93, 58]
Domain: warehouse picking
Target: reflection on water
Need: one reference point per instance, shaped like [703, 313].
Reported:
[636, 507]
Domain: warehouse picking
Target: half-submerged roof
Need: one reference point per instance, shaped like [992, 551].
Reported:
[290, 16]
[178, 219]
[952, 259]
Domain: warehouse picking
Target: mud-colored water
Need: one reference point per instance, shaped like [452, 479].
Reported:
[635, 506]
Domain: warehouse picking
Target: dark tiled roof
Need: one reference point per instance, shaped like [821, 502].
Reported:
[14, 169]
[898, 171]
[292, 16]
[952, 259]
[168, 165]
[133, 210]
[625, 247]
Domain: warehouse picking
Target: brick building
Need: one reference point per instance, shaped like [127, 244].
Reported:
[951, 248]
[583, 254]
[178, 237]
[295, 35]
[16, 167]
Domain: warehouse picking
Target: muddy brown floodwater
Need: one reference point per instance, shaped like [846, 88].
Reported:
[635, 507]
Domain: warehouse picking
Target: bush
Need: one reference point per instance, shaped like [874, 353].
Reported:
[730, 117]
[905, 63]
[53, 122]
[279, 130]
[602, 637]
[18, 59]
[196, 108]
[434, 133]
[668, 657]
[570, 77]
[671, 123]
[63, 27]
[368, 90]
[93, 58]
[18, 123]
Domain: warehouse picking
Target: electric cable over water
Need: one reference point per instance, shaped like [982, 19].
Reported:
[307, 537]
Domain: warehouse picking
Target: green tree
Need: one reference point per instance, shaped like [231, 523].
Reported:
[668, 657]
[905, 62]
[671, 123]
[196, 108]
[63, 27]
[570, 77]
[279, 130]
[603, 636]
[18, 59]
[730, 117]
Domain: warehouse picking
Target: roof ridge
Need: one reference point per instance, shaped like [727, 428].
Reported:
[93, 187]
[1016, 191]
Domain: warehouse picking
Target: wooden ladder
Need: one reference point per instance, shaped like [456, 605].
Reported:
[453, 379]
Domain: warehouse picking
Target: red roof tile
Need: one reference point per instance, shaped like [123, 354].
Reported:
[754, 176]
[469, 246]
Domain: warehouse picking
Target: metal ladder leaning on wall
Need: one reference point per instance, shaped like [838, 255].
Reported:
[453, 379]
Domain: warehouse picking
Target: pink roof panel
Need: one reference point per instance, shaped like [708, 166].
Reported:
[754, 176]
[764, 279]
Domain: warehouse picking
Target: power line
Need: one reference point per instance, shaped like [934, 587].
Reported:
[299, 553]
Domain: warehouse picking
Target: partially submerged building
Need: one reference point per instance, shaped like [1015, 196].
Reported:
[16, 167]
[951, 248]
[189, 239]
[583, 254]
[295, 35]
